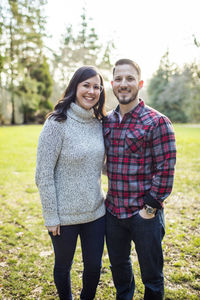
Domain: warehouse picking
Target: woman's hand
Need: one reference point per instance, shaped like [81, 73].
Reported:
[54, 229]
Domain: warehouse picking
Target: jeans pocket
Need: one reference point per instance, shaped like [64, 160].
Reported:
[148, 219]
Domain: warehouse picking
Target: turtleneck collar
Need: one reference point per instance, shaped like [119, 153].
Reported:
[80, 114]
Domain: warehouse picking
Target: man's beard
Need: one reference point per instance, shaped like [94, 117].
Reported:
[124, 100]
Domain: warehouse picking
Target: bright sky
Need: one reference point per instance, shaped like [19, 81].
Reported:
[141, 30]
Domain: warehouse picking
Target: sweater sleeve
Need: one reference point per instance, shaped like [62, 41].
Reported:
[49, 147]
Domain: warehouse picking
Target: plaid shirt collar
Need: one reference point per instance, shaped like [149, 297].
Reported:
[134, 112]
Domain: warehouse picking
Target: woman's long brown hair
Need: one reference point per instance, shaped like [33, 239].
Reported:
[82, 74]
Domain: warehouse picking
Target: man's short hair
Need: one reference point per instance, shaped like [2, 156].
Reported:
[126, 61]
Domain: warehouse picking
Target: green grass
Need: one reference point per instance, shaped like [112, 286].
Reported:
[26, 256]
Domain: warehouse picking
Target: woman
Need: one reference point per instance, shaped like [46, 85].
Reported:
[68, 175]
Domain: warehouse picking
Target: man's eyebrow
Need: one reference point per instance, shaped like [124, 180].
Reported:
[128, 75]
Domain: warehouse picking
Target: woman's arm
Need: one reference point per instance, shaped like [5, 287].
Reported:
[49, 147]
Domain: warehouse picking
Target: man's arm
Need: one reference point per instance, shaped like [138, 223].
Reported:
[164, 159]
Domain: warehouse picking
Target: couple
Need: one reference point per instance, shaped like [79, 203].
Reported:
[140, 151]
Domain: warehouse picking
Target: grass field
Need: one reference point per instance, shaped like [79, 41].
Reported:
[26, 256]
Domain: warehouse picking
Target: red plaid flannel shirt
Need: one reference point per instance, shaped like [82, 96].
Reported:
[141, 156]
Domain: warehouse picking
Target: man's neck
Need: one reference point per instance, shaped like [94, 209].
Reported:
[125, 108]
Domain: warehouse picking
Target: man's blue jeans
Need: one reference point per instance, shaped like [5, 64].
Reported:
[147, 234]
[92, 244]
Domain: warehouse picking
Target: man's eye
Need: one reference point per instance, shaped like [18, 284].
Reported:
[130, 78]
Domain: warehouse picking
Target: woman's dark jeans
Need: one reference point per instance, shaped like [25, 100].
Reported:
[147, 234]
[92, 243]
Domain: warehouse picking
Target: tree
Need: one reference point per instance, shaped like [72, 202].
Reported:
[41, 74]
[195, 68]
[169, 90]
[83, 48]
[196, 42]
[27, 92]
[175, 92]
[1, 44]
[23, 49]
[194, 100]
[159, 81]
[173, 99]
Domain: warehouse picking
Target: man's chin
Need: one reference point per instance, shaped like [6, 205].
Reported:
[124, 101]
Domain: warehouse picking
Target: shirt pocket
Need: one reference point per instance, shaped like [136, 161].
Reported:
[134, 142]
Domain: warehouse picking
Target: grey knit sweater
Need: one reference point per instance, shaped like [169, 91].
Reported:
[68, 172]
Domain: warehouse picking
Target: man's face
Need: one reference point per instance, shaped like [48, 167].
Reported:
[125, 83]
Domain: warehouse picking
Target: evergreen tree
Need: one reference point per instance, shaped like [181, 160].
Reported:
[41, 74]
[175, 92]
[1, 43]
[194, 99]
[159, 81]
[83, 48]
[174, 98]
[24, 32]
[195, 105]
[196, 41]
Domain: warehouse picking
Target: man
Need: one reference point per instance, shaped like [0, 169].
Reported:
[141, 155]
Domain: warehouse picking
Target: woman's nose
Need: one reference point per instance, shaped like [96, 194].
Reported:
[91, 90]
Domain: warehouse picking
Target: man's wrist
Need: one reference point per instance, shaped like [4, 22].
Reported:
[149, 200]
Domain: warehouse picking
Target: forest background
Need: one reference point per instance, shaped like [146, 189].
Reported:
[33, 76]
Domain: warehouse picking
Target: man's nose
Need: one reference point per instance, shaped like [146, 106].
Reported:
[123, 82]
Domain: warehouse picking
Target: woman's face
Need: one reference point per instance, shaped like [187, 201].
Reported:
[88, 92]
